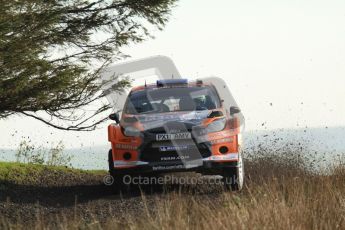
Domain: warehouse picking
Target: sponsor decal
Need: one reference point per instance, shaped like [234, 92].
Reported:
[195, 115]
[169, 167]
[125, 146]
[224, 140]
[172, 148]
[175, 136]
[173, 158]
[225, 157]
[121, 163]
[215, 138]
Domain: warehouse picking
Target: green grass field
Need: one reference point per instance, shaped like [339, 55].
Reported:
[33, 174]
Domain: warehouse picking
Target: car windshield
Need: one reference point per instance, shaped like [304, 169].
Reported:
[161, 100]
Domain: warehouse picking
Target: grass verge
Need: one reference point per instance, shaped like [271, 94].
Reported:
[278, 195]
[35, 174]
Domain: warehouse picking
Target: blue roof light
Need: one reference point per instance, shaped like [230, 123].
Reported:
[171, 82]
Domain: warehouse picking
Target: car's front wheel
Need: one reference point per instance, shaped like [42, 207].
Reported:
[233, 178]
[117, 181]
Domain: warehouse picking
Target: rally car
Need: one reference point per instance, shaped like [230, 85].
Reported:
[173, 126]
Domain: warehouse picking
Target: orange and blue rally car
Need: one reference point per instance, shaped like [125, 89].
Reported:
[175, 126]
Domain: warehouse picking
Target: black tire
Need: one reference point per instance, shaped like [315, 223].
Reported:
[118, 180]
[111, 163]
[233, 178]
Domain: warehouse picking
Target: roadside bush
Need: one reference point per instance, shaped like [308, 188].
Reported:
[28, 153]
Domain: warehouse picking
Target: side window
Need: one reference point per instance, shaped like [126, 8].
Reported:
[199, 101]
[204, 99]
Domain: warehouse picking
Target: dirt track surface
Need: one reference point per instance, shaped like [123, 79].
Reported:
[276, 196]
[86, 199]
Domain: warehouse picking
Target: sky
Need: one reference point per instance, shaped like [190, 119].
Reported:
[284, 62]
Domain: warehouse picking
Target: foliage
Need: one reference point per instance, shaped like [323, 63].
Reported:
[28, 153]
[52, 53]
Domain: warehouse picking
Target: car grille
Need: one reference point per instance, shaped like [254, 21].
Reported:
[151, 152]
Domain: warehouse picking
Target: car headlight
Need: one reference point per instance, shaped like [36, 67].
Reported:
[131, 131]
[216, 126]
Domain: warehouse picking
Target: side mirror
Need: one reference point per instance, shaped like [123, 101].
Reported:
[115, 117]
[234, 110]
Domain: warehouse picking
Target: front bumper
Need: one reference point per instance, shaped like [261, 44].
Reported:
[210, 165]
